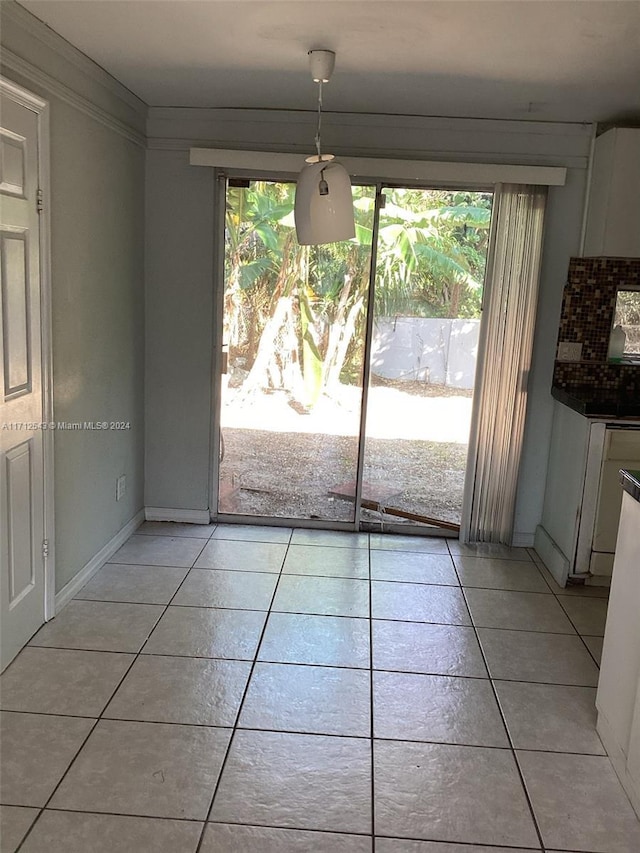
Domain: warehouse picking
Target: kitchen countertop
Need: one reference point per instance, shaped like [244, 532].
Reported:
[631, 482]
[596, 403]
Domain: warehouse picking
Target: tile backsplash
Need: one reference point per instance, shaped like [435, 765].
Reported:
[602, 378]
[588, 308]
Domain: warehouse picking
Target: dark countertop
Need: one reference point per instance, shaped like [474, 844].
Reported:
[631, 482]
[594, 403]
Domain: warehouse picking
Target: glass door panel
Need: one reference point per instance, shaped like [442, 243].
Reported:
[431, 254]
[294, 320]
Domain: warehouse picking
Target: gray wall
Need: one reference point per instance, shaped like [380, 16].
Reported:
[561, 241]
[180, 281]
[179, 331]
[97, 267]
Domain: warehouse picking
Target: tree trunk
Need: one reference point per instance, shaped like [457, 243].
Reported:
[232, 306]
[333, 376]
[336, 332]
[454, 303]
[263, 373]
[259, 374]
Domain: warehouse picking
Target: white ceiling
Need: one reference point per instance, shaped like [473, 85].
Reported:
[568, 60]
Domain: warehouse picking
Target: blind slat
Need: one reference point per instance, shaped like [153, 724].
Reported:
[510, 321]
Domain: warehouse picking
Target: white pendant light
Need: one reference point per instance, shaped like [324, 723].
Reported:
[323, 204]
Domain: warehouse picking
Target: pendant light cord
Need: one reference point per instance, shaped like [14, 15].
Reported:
[319, 126]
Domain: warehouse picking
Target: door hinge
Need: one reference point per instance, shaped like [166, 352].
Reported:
[39, 201]
[45, 549]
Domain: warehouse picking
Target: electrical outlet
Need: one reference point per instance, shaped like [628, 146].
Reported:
[121, 487]
[568, 351]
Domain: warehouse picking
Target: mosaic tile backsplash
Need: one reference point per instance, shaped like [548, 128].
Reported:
[588, 308]
[603, 379]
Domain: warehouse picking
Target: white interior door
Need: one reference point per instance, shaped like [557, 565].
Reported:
[22, 575]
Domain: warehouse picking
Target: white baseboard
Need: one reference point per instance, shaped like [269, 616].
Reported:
[551, 556]
[523, 540]
[97, 561]
[598, 580]
[601, 563]
[191, 516]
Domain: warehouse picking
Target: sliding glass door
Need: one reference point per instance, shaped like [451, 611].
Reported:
[291, 396]
[432, 247]
[300, 437]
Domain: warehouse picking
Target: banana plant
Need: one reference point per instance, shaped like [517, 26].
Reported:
[430, 262]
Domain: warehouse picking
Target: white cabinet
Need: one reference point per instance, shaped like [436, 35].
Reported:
[633, 755]
[618, 696]
[577, 536]
[621, 450]
[613, 215]
[557, 536]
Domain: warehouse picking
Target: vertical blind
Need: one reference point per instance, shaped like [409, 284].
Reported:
[504, 361]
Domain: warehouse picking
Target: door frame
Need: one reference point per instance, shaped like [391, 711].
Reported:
[41, 108]
[253, 173]
[219, 247]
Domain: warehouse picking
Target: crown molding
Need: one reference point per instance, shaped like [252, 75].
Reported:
[13, 62]
[451, 124]
[167, 143]
[372, 135]
[13, 11]
[185, 144]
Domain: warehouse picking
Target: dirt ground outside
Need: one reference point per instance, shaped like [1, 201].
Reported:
[282, 462]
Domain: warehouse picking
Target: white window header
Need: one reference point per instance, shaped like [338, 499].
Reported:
[418, 171]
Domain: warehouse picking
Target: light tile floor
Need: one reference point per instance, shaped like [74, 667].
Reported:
[225, 690]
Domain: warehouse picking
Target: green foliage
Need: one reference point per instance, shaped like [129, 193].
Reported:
[628, 316]
[430, 263]
[628, 307]
[432, 251]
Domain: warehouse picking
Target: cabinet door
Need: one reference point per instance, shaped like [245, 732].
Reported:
[633, 756]
[620, 669]
[613, 220]
[621, 450]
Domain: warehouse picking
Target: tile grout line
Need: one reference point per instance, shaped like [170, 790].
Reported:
[301, 663]
[269, 611]
[559, 595]
[472, 845]
[246, 609]
[135, 566]
[318, 615]
[589, 652]
[385, 739]
[199, 820]
[295, 829]
[293, 663]
[234, 729]
[506, 728]
[100, 716]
